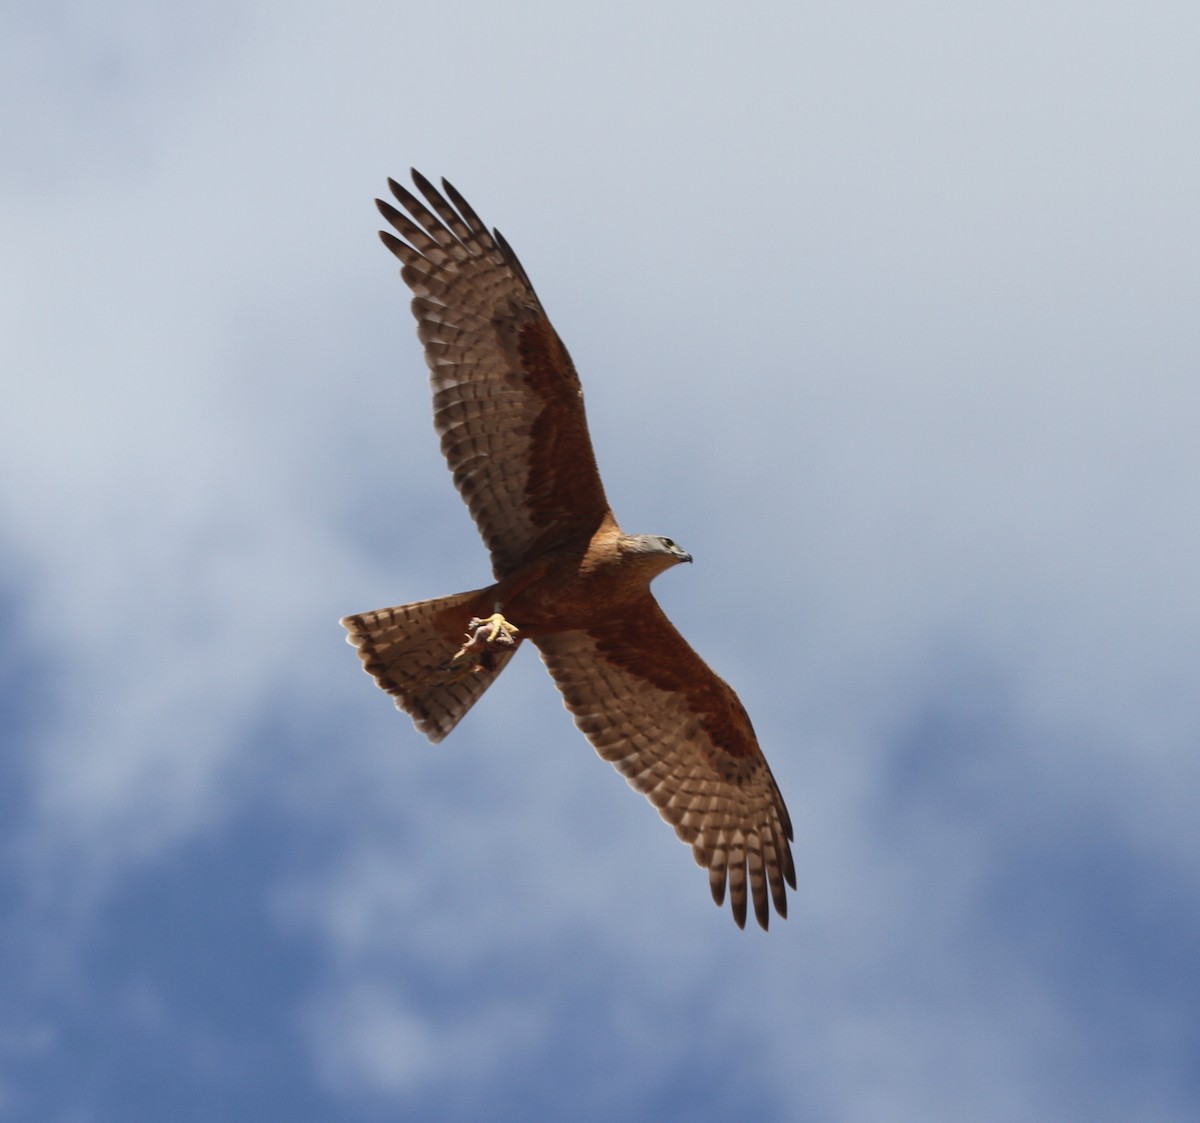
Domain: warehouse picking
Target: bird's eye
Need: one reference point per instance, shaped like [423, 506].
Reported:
[668, 543]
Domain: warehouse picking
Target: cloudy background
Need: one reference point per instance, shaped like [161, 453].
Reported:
[889, 312]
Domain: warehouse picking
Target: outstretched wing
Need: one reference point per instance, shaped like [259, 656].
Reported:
[507, 402]
[650, 705]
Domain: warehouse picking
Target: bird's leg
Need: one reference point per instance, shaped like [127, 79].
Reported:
[483, 638]
[499, 629]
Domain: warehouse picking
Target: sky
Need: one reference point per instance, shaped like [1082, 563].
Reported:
[885, 312]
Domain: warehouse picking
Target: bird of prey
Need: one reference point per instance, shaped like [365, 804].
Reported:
[508, 407]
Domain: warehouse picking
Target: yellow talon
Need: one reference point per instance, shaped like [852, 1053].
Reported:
[483, 636]
[498, 627]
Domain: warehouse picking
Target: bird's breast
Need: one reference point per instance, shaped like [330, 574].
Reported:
[566, 592]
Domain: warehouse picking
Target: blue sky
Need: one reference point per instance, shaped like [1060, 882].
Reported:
[887, 313]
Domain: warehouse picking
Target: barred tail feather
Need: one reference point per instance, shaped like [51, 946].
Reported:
[407, 650]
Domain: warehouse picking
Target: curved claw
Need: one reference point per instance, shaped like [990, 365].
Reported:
[483, 638]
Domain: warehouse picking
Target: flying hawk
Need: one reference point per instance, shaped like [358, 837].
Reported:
[509, 409]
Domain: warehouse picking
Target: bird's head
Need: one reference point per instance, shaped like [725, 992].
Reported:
[653, 552]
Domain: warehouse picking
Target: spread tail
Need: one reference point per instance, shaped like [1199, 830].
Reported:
[409, 650]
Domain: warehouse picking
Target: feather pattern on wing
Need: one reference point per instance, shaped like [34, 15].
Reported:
[653, 708]
[508, 405]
